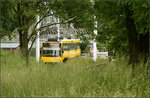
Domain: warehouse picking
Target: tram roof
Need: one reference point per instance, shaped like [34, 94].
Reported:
[63, 40]
[70, 40]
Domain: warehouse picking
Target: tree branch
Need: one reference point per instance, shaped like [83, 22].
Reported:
[15, 10]
[42, 19]
[97, 65]
[38, 23]
[31, 45]
[63, 22]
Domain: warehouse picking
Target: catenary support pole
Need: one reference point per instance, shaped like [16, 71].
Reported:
[58, 28]
[38, 43]
[94, 42]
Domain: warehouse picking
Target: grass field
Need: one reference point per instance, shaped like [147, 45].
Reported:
[71, 79]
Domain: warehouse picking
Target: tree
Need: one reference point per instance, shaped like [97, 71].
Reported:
[124, 25]
[8, 20]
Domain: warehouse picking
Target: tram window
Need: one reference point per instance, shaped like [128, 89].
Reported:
[65, 47]
[73, 47]
[78, 45]
[70, 47]
[75, 44]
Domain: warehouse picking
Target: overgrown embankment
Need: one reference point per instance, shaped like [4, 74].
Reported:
[71, 79]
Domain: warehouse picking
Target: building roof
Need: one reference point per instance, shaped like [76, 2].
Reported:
[9, 45]
[16, 44]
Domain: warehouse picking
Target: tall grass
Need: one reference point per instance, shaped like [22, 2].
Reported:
[71, 79]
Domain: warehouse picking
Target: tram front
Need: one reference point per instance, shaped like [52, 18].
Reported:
[51, 52]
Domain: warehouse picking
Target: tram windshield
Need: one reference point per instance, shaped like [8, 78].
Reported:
[51, 49]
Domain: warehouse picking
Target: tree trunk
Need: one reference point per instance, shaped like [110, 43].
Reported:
[144, 46]
[25, 37]
[132, 37]
[25, 47]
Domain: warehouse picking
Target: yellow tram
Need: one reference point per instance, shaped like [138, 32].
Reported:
[54, 51]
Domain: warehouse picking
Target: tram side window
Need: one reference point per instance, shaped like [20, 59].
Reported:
[78, 45]
[75, 45]
[65, 47]
[70, 46]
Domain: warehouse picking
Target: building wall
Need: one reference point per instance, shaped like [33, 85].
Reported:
[13, 50]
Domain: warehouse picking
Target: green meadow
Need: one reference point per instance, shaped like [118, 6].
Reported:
[72, 79]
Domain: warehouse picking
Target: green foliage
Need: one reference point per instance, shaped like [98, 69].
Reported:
[141, 15]
[82, 9]
[84, 44]
[112, 28]
[71, 79]
[8, 18]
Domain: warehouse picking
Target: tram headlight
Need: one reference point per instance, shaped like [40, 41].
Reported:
[43, 61]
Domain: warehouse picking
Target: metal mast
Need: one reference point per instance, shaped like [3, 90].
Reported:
[94, 42]
[58, 28]
[38, 42]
